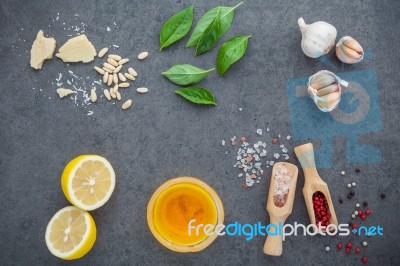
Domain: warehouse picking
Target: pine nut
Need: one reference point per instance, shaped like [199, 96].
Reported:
[118, 96]
[123, 85]
[99, 70]
[102, 52]
[113, 95]
[123, 61]
[93, 96]
[143, 55]
[107, 70]
[132, 72]
[105, 77]
[115, 78]
[115, 89]
[117, 69]
[121, 77]
[112, 62]
[129, 76]
[115, 57]
[107, 94]
[127, 104]
[142, 90]
[110, 80]
[107, 65]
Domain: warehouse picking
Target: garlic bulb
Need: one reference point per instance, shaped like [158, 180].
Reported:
[349, 51]
[317, 38]
[324, 87]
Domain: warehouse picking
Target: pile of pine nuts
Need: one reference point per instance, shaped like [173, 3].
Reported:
[113, 77]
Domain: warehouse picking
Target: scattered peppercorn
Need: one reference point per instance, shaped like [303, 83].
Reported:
[353, 184]
[357, 205]
[352, 192]
[349, 185]
[339, 246]
[343, 173]
[364, 259]
[368, 212]
[348, 250]
[360, 212]
[327, 248]
[274, 140]
[349, 245]
[350, 224]
[365, 243]
[383, 196]
[355, 226]
[365, 204]
[363, 217]
[340, 201]
[353, 216]
[349, 196]
[358, 250]
[358, 170]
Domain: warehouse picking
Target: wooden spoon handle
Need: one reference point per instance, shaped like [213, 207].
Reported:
[305, 155]
[273, 244]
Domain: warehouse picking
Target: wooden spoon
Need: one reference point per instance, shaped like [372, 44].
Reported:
[313, 182]
[273, 244]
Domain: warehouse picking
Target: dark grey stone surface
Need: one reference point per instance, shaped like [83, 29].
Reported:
[163, 136]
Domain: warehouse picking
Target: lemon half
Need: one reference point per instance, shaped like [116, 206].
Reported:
[88, 181]
[71, 233]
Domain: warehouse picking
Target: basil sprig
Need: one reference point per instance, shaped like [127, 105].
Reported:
[176, 27]
[198, 95]
[186, 74]
[230, 52]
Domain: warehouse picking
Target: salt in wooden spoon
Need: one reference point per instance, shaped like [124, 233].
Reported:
[273, 244]
[313, 182]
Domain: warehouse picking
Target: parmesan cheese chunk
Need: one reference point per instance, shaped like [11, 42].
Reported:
[77, 49]
[42, 49]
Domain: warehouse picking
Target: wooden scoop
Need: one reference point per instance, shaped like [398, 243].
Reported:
[313, 182]
[273, 244]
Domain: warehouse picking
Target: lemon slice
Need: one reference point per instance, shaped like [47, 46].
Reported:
[71, 233]
[88, 181]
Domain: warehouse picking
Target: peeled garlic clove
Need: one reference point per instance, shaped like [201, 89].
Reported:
[327, 90]
[322, 80]
[349, 51]
[318, 38]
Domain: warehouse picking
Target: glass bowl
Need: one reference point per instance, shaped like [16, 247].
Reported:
[182, 247]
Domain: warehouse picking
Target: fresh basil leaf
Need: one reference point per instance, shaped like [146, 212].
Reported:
[198, 95]
[186, 74]
[176, 27]
[226, 16]
[230, 52]
[210, 36]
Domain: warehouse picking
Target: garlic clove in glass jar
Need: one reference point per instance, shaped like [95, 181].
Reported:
[324, 87]
[349, 51]
[318, 38]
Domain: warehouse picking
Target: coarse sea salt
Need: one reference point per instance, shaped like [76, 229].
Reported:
[282, 181]
[249, 157]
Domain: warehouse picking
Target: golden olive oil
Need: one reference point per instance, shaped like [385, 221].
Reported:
[176, 206]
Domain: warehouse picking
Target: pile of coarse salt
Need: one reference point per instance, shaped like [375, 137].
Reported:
[250, 157]
[282, 181]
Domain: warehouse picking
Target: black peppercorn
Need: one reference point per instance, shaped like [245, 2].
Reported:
[349, 196]
[383, 196]
[352, 192]
[365, 204]
[357, 170]
[340, 201]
